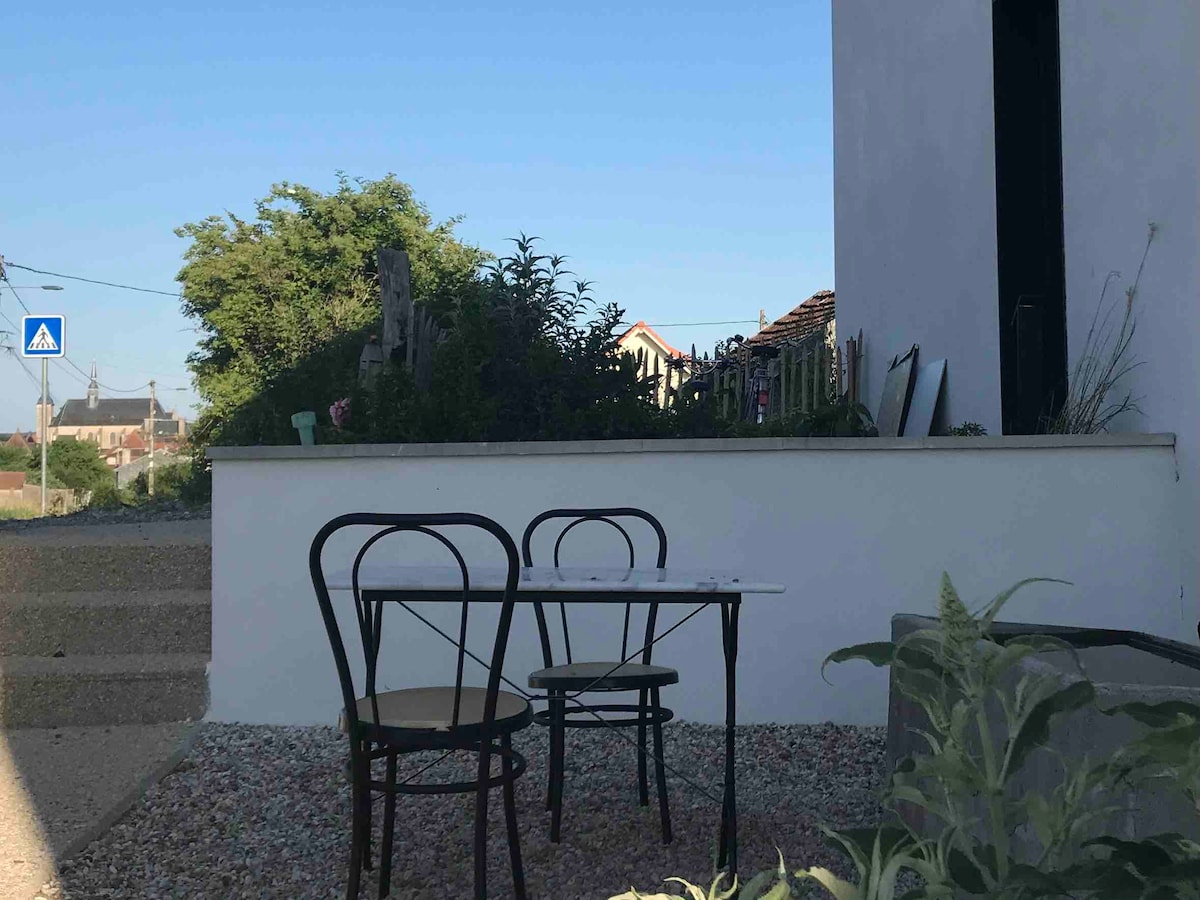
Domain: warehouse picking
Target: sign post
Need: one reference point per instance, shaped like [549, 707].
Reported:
[42, 337]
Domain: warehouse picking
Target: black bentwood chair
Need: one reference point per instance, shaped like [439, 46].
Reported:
[574, 678]
[394, 723]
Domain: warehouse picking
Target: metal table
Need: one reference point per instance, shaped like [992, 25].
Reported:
[381, 581]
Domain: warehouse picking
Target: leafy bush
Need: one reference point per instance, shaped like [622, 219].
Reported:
[959, 675]
[77, 464]
[297, 290]
[109, 496]
[14, 459]
[967, 429]
[838, 418]
[526, 359]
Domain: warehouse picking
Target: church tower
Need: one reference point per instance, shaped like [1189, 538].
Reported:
[93, 391]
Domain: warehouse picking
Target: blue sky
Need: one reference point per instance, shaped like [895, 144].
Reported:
[679, 153]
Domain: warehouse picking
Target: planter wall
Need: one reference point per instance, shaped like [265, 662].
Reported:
[855, 528]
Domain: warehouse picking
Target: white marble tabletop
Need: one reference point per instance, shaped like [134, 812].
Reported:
[393, 577]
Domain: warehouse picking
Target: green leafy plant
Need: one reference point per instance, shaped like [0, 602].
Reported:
[109, 496]
[14, 459]
[987, 717]
[841, 417]
[967, 429]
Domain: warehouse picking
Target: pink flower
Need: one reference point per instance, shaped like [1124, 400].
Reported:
[340, 413]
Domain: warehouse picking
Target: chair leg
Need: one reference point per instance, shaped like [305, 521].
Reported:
[559, 728]
[643, 777]
[481, 805]
[550, 757]
[660, 770]
[389, 825]
[357, 832]
[510, 816]
[368, 808]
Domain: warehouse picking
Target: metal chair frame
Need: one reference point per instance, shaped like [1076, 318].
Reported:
[371, 740]
[647, 715]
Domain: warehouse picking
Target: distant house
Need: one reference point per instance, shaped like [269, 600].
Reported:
[812, 317]
[19, 439]
[644, 343]
[120, 426]
[12, 481]
[128, 472]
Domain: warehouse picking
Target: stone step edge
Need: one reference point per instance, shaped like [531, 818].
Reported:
[153, 597]
[120, 667]
[180, 533]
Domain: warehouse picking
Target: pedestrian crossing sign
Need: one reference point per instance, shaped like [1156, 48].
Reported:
[42, 336]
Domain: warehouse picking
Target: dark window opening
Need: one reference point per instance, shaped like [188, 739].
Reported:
[1029, 213]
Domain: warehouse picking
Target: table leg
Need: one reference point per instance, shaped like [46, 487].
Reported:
[727, 848]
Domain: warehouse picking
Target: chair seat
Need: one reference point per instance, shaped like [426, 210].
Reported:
[578, 676]
[432, 709]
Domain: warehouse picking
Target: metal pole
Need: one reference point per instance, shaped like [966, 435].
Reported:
[45, 423]
[150, 470]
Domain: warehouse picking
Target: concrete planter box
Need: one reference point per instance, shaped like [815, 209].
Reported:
[1125, 667]
[856, 528]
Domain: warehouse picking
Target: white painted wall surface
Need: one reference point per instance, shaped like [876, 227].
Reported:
[914, 193]
[1131, 155]
[855, 534]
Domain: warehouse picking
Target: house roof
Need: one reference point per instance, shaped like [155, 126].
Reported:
[17, 439]
[641, 327]
[108, 411]
[12, 481]
[807, 319]
[133, 441]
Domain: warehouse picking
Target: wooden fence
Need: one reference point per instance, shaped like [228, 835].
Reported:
[792, 378]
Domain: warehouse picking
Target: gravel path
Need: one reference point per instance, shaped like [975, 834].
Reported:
[257, 812]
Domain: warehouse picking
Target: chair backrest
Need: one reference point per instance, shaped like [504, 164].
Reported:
[370, 612]
[578, 517]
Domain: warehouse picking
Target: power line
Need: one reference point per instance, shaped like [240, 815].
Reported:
[682, 324]
[4, 275]
[126, 287]
[66, 371]
[21, 362]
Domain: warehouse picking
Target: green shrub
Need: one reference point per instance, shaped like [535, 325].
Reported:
[838, 418]
[967, 429]
[959, 675]
[108, 496]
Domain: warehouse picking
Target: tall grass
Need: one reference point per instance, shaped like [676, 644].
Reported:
[1102, 364]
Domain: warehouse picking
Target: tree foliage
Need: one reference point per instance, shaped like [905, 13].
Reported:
[13, 459]
[77, 464]
[270, 294]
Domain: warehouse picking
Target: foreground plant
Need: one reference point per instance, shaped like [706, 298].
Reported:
[988, 717]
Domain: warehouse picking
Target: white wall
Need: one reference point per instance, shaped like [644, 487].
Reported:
[914, 193]
[915, 207]
[1131, 155]
[855, 534]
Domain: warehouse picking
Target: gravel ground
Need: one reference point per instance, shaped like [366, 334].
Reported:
[259, 812]
[166, 511]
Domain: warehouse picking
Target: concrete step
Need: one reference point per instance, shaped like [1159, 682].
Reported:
[132, 689]
[86, 623]
[37, 567]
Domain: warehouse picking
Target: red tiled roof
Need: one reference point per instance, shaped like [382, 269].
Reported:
[12, 481]
[807, 319]
[133, 441]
